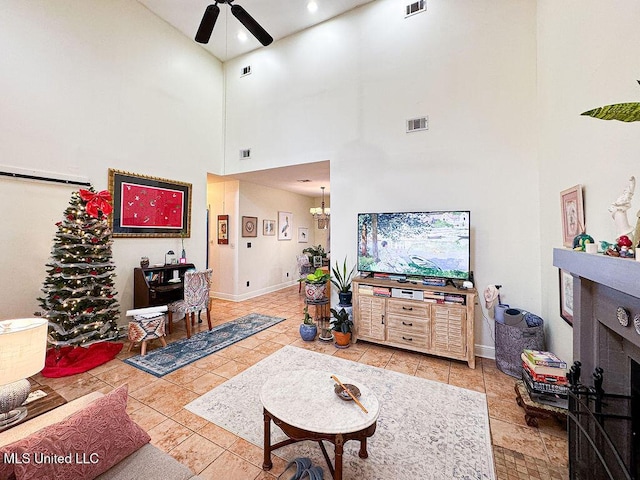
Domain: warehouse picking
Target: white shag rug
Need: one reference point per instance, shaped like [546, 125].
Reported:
[426, 429]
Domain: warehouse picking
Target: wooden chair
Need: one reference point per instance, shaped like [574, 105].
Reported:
[304, 268]
[196, 298]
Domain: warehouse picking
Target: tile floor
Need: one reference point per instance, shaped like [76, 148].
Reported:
[520, 451]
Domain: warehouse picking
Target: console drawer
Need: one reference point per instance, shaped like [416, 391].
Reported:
[408, 324]
[404, 338]
[408, 308]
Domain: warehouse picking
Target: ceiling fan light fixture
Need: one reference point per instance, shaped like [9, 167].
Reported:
[250, 24]
[208, 22]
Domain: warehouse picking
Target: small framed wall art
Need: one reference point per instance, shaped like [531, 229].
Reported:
[249, 226]
[572, 214]
[285, 225]
[303, 235]
[223, 229]
[145, 206]
[268, 228]
[566, 296]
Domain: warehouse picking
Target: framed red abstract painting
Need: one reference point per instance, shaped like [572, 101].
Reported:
[146, 206]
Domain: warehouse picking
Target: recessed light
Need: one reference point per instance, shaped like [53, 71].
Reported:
[312, 6]
[242, 36]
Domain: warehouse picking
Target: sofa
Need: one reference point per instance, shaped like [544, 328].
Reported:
[90, 437]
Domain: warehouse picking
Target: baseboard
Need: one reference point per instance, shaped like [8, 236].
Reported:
[485, 351]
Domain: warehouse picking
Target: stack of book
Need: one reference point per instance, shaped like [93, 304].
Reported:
[545, 376]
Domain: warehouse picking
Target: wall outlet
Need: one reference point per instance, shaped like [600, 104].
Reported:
[287, 274]
[248, 244]
[247, 283]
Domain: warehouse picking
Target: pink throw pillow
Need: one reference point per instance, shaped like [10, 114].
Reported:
[82, 446]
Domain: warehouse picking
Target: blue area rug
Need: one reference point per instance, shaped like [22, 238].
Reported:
[183, 352]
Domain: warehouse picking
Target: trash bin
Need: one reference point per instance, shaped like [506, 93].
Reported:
[512, 339]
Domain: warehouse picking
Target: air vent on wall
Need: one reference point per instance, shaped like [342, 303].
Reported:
[416, 124]
[416, 7]
[245, 71]
[244, 154]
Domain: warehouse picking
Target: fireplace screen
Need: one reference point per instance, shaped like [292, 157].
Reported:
[601, 434]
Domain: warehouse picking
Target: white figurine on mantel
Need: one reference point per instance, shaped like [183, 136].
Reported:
[619, 209]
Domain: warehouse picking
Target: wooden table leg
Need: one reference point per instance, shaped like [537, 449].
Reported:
[363, 448]
[338, 457]
[266, 464]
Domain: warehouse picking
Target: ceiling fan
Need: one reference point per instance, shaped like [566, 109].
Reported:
[211, 15]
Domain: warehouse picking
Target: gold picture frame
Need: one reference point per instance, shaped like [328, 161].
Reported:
[572, 208]
[146, 206]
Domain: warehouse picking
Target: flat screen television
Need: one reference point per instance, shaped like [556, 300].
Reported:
[428, 244]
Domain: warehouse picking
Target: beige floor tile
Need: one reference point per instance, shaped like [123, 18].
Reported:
[147, 417]
[168, 434]
[524, 440]
[230, 369]
[189, 419]
[205, 383]
[218, 435]
[196, 452]
[229, 466]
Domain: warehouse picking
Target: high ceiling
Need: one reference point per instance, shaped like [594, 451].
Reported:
[280, 18]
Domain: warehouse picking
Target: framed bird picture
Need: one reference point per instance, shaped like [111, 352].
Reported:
[285, 225]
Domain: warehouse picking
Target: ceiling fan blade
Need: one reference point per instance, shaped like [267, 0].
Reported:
[208, 22]
[250, 24]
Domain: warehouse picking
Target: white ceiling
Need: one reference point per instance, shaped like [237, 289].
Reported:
[288, 178]
[280, 18]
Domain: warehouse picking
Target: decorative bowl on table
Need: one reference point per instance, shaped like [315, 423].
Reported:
[343, 395]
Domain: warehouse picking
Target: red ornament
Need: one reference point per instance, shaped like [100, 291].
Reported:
[624, 241]
[94, 240]
[89, 310]
[70, 217]
[58, 269]
[58, 224]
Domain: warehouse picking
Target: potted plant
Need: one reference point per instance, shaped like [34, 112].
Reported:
[341, 325]
[315, 287]
[308, 328]
[342, 280]
[315, 251]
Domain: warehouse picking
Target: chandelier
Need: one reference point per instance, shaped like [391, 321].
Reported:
[321, 214]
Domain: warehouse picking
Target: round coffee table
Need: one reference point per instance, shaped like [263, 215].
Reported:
[304, 405]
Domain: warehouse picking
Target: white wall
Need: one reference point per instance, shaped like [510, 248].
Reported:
[89, 85]
[587, 57]
[269, 264]
[343, 90]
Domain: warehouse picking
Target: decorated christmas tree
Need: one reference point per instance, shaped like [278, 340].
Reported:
[79, 297]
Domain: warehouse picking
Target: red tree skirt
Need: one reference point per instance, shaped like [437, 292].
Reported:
[66, 361]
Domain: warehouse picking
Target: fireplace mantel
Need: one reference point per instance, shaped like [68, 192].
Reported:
[622, 274]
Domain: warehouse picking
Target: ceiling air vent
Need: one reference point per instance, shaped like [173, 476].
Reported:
[416, 124]
[245, 71]
[415, 7]
[244, 154]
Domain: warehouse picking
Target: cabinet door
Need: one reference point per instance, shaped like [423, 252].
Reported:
[448, 329]
[371, 317]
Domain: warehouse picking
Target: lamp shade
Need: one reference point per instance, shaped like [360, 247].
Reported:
[23, 347]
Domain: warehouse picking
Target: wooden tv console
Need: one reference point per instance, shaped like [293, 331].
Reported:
[418, 317]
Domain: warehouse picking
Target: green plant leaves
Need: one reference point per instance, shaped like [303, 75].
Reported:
[625, 112]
